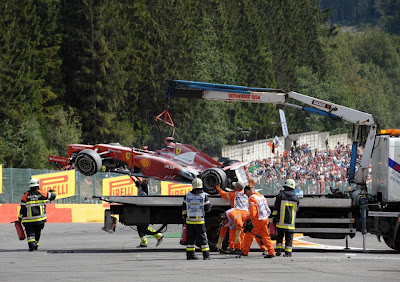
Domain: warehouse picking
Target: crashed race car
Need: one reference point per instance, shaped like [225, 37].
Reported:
[177, 163]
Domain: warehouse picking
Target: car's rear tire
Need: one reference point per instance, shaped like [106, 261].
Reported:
[212, 177]
[88, 162]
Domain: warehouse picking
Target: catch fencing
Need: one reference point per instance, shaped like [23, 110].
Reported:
[15, 184]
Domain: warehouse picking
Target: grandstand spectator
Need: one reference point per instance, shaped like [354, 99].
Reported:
[307, 167]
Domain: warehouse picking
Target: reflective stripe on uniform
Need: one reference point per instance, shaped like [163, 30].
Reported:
[190, 249]
[284, 226]
[32, 204]
[34, 217]
[143, 240]
[35, 205]
[35, 202]
[33, 220]
[205, 249]
[194, 222]
[281, 223]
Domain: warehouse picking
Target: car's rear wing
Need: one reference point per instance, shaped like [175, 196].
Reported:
[240, 171]
[60, 161]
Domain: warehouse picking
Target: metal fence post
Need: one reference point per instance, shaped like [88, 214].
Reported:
[12, 186]
[94, 185]
[79, 184]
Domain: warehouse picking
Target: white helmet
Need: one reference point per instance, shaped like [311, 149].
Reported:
[289, 183]
[238, 185]
[197, 183]
[34, 183]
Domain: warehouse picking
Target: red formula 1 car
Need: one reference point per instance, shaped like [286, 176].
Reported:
[177, 163]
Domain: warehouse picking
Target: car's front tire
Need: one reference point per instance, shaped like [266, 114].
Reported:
[88, 162]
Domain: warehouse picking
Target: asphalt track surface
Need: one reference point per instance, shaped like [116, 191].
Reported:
[83, 252]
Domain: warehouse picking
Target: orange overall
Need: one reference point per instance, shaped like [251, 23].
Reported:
[259, 212]
[239, 202]
[235, 221]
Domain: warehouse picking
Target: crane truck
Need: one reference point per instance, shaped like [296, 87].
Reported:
[375, 212]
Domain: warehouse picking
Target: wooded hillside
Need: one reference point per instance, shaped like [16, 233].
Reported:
[94, 71]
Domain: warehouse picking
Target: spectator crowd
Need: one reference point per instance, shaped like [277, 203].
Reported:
[311, 169]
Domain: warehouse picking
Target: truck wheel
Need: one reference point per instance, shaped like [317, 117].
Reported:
[213, 225]
[395, 245]
[88, 162]
[212, 177]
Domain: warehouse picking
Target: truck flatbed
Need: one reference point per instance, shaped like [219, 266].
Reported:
[216, 201]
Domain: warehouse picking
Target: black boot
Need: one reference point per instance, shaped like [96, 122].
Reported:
[32, 246]
[192, 258]
[240, 254]
[190, 255]
[206, 255]
[278, 252]
[288, 254]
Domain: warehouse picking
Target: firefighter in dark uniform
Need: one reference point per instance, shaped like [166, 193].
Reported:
[284, 215]
[195, 205]
[33, 212]
[142, 185]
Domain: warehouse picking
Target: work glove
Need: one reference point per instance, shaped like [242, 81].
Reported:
[248, 227]
[237, 237]
[217, 186]
[219, 244]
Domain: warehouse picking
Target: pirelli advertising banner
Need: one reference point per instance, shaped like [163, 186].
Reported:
[119, 186]
[125, 186]
[63, 183]
[172, 188]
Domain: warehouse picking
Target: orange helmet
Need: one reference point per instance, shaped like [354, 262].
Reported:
[169, 139]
